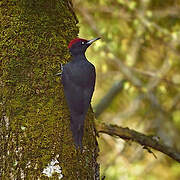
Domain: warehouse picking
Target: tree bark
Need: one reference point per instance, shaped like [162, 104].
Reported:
[35, 137]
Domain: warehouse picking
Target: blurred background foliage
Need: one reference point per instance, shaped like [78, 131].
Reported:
[138, 67]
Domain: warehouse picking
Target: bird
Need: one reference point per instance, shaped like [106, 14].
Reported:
[78, 79]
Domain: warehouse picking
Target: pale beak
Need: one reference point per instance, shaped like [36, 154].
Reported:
[92, 40]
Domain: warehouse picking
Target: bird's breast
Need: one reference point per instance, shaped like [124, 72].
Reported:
[83, 74]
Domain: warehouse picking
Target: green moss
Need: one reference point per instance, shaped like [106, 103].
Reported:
[33, 42]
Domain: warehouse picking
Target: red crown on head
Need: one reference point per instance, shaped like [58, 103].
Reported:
[75, 41]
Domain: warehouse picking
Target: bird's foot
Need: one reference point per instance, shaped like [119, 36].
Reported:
[59, 74]
[61, 67]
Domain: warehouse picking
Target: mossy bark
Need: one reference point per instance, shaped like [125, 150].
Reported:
[34, 124]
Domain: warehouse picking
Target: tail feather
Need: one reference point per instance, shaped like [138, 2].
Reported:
[77, 128]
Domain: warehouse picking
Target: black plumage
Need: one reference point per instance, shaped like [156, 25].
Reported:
[78, 78]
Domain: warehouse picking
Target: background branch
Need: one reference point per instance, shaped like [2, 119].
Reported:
[108, 98]
[147, 141]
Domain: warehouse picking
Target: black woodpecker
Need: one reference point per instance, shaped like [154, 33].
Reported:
[78, 79]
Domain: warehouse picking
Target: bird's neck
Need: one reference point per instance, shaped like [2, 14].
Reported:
[79, 57]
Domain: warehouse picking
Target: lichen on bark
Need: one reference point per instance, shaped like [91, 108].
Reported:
[34, 124]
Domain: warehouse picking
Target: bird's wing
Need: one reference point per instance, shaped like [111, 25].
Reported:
[72, 92]
[78, 98]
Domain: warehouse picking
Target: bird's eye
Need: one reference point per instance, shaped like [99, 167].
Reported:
[82, 42]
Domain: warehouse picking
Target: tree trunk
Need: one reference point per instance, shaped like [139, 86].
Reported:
[35, 137]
